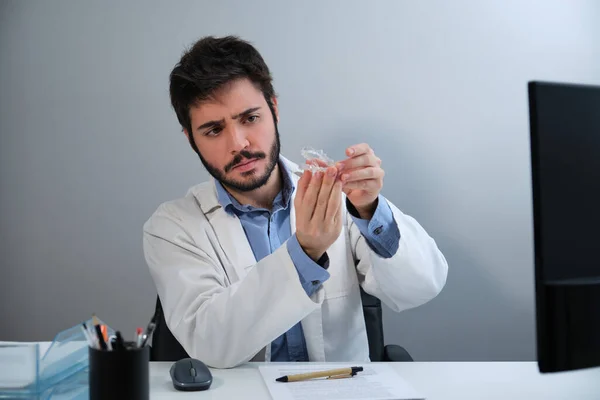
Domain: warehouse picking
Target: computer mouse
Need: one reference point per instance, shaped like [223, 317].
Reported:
[189, 374]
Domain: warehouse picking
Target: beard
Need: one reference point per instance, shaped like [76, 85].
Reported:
[253, 182]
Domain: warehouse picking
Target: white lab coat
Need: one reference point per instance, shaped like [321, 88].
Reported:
[225, 308]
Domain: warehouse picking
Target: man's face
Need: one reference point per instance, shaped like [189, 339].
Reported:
[237, 136]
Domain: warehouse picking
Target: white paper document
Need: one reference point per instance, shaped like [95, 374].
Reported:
[376, 382]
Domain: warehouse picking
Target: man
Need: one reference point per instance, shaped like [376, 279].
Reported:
[258, 264]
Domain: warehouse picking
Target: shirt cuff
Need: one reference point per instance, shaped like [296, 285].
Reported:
[381, 231]
[311, 274]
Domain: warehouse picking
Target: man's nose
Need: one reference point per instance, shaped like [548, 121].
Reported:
[238, 140]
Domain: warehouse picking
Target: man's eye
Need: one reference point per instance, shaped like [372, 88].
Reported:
[213, 132]
[252, 118]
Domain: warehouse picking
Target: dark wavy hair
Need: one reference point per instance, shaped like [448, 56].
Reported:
[210, 64]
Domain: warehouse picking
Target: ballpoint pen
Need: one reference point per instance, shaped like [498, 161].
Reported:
[148, 333]
[330, 374]
[149, 329]
[86, 333]
[104, 330]
[138, 337]
[92, 333]
[110, 343]
[119, 343]
[101, 341]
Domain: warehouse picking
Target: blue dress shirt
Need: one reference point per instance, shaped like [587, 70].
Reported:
[266, 230]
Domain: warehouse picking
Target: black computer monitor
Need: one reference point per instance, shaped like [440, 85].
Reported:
[565, 167]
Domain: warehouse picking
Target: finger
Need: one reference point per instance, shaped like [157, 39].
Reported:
[363, 160]
[311, 195]
[358, 149]
[362, 173]
[303, 185]
[335, 202]
[365, 184]
[323, 199]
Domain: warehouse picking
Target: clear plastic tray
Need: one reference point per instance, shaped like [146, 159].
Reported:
[58, 373]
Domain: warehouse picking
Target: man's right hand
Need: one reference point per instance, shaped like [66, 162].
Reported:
[318, 205]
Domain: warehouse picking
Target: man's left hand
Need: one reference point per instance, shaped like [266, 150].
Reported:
[362, 178]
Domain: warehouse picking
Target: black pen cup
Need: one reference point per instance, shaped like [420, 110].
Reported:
[120, 373]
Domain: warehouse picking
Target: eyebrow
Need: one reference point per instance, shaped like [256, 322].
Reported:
[217, 122]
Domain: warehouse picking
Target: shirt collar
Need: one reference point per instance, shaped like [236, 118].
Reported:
[227, 201]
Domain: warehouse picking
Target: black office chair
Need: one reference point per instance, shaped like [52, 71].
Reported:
[166, 348]
[378, 350]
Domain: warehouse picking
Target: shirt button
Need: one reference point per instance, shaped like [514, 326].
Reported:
[315, 283]
[378, 230]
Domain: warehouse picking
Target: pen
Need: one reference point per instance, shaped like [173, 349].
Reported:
[119, 342]
[147, 334]
[92, 334]
[104, 332]
[87, 335]
[99, 332]
[331, 374]
[110, 343]
[138, 337]
[149, 328]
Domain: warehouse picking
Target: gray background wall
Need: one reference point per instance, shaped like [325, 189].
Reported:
[89, 145]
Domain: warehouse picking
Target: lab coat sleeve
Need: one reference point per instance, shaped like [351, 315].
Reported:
[219, 323]
[311, 274]
[415, 274]
[381, 231]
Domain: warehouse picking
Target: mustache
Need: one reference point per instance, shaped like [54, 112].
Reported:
[244, 154]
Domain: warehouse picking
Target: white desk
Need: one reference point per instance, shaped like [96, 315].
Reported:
[435, 380]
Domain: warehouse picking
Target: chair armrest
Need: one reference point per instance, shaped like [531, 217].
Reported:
[394, 352]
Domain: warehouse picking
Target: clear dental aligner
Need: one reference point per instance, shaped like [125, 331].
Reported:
[310, 154]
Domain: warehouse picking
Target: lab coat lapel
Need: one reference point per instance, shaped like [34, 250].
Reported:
[229, 231]
[233, 241]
